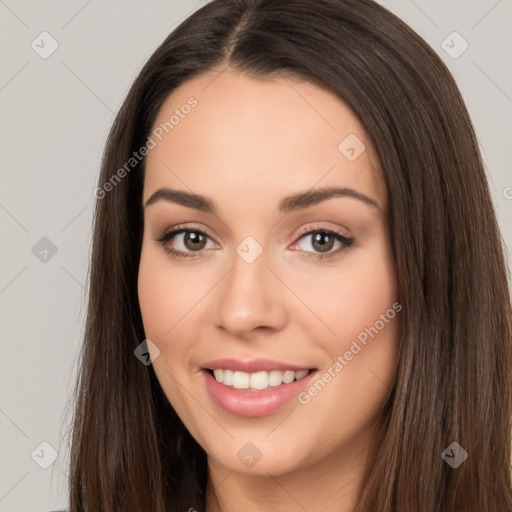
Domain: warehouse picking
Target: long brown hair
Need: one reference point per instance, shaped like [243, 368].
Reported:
[131, 452]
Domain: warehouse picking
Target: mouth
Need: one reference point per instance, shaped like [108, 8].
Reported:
[257, 381]
[254, 388]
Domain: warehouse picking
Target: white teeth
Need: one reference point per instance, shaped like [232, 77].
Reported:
[302, 373]
[288, 376]
[257, 381]
[241, 380]
[275, 378]
[227, 378]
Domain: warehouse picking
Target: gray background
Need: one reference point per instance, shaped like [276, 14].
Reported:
[55, 116]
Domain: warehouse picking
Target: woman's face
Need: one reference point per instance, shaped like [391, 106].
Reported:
[273, 285]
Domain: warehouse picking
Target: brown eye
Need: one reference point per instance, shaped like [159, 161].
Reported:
[322, 243]
[181, 243]
[194, 240]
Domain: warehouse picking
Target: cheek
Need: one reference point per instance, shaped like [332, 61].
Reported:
[354, 296]
[162, 309]
[165, 294]
[359, 304]
[153, 300]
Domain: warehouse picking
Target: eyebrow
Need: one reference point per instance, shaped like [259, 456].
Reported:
[295, 202]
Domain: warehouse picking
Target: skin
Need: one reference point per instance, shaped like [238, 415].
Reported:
[246, 145]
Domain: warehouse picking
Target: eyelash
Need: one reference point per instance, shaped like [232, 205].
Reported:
[346, 242]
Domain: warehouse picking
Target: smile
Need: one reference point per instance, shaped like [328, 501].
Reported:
[254, 388]
[257, 381]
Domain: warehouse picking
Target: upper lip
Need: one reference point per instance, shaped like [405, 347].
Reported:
[252, 365]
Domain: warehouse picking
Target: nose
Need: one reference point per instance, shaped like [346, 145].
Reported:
[251, 299]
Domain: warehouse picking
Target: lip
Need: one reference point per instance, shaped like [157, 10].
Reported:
[252, 366]
[252, 404]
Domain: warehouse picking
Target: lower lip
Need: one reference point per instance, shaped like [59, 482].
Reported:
[254, 403]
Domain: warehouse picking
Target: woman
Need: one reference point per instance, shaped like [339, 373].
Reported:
[294, 227]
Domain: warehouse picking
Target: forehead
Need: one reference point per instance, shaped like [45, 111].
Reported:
[272, 136]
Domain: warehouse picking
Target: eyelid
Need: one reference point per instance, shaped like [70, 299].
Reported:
[165, 234]
[345, 240]
[321, 227]
[302, 231]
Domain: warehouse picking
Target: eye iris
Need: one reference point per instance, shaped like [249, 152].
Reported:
[194, 240]
[324, 246]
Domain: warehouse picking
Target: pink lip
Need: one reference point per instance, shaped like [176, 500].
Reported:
[252, 366]
[251, 404]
